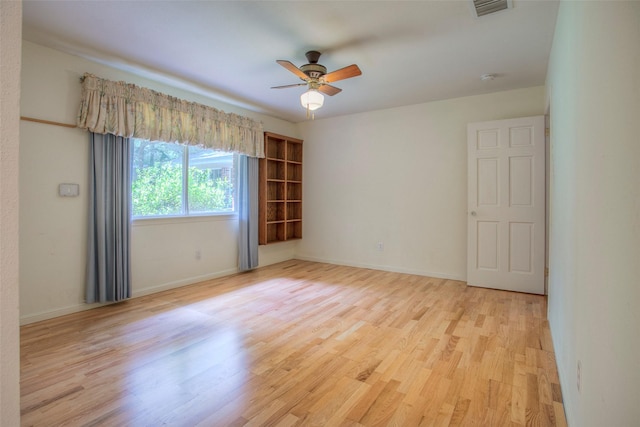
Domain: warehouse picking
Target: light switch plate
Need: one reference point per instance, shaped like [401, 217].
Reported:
[68, 190]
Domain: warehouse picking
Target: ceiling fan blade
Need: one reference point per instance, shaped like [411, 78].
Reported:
[286, 86]
[329, 90]
[342, 73]
[289, 66]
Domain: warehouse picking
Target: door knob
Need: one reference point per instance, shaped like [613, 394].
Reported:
[473, 213]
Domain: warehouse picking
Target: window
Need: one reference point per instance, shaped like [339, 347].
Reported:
[177, 180]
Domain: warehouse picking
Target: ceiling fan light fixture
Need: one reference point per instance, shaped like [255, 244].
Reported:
[311, 100]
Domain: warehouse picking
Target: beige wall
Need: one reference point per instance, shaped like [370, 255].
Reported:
[593, 86]
[53, 228]
[10, 43]
[397, 176]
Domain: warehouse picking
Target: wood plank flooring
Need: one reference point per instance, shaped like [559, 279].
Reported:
[297, 344]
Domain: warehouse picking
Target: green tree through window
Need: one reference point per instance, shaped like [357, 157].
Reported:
[174, 180]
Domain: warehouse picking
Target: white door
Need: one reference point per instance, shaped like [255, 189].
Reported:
[506, 204]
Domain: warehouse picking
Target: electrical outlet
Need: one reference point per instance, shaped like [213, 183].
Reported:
[380, 246]
[198, 254]
[579, 377]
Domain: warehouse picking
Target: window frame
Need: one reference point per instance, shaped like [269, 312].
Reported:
[185, 214]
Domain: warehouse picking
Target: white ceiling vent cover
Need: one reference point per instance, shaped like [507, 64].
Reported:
[486, 7]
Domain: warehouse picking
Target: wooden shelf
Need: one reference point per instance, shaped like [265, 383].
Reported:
[280, 186]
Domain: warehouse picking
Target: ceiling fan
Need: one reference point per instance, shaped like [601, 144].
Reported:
[315, 76]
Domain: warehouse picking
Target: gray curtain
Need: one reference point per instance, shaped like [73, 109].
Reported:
[108, 263]
[247, 212]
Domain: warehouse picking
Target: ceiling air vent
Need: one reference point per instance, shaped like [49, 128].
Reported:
[485, 7]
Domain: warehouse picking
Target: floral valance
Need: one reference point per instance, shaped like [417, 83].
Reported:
[127, 110]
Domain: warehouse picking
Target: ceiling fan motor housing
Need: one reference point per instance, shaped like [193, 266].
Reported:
[314, 71]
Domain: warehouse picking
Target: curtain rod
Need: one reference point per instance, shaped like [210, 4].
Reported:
[47, 122]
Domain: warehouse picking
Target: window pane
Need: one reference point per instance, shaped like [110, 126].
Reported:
[210, 181]
[156, 187]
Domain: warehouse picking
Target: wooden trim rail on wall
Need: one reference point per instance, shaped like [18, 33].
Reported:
[47, 122]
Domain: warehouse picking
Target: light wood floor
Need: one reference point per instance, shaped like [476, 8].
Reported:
[297, 344]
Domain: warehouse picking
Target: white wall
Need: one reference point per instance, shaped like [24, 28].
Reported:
[10, 43]
[397, 176]
[53, 228]
[594, 289]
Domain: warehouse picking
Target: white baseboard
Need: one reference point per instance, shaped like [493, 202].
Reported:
[183, 282]
[50, 314]
[393, 269]
[565, 383]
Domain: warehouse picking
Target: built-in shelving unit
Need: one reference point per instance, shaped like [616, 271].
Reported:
[280, 210]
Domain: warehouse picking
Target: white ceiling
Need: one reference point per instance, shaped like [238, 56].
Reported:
[410, 52]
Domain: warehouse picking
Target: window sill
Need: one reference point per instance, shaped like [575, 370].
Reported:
[162, 220]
